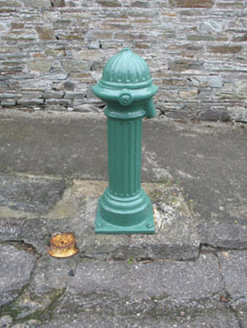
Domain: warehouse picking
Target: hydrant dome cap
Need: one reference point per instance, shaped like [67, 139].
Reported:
[126, 69]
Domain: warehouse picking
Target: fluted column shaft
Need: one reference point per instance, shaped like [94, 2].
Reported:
[124, 156]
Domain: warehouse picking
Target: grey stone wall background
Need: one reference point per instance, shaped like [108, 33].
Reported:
[52, 52]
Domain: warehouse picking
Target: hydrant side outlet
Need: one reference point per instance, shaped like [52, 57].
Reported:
[127, 89]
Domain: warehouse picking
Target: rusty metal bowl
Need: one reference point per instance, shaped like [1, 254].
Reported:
[63, 245]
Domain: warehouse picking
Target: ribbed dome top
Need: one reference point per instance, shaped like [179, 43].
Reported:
[126, 68]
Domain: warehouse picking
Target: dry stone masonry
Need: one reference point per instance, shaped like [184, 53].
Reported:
[52, 52]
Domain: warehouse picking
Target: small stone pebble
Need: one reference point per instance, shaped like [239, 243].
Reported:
[71, 273]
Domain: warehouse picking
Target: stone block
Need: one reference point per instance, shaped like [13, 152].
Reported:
[181, 114]
[29, 102]
[188, 94]
[238, 113]
[75, 95]
[30, 95]
[184, 64]
[53, 77]
[240, 38]
[94, 44]
[13, 4]
[62, 102]
[207, 81]
[58, 3]
[56, 107]
[214, 115]
[69, 86]
[131, 36]
[45, 33]
[71, 65]
[7, 10]
[17, 25]
[203, 37]
[141, 45]
[8, 103]
[225, 49]
[56, 53]
[53, 94]
[38, 85]
[36, 3]
[109, 3]
[211, 26]
[140, 4]
[40, 65]
[171, 81]
[7, 96]
[79, 106]
[230, 5]
[192, 3]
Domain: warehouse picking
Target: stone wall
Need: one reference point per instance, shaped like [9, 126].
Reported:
[52, 52]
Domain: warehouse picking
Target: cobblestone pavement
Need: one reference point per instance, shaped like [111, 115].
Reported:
[192, 273]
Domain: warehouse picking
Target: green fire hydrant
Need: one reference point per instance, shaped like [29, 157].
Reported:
[127, 89]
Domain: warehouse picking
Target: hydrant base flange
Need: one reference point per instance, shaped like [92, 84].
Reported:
[103, 227]
[145, 224]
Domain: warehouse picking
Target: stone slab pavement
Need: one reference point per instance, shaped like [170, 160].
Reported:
[191, 273]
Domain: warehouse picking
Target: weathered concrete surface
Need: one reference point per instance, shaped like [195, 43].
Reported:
[208, 161]
[15, 270]
[178, 280]
[54, 145]
[234, 268]
[219, 318]
[223, 234]
[10, 228]
[167, 294]
[49, 280]
[35, 195]
[165, 280]
[176, 234]
[241, 314]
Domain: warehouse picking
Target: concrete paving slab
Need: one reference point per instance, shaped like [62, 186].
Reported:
[53, 144]
[15, 270]
[167, 294]
[215, 318]
[241, 314]
[137, 281]
[50, 274]
[10, 228]
[220, 234]
[176, 236]
[35, 194]
[49, 279]
[234, 270]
